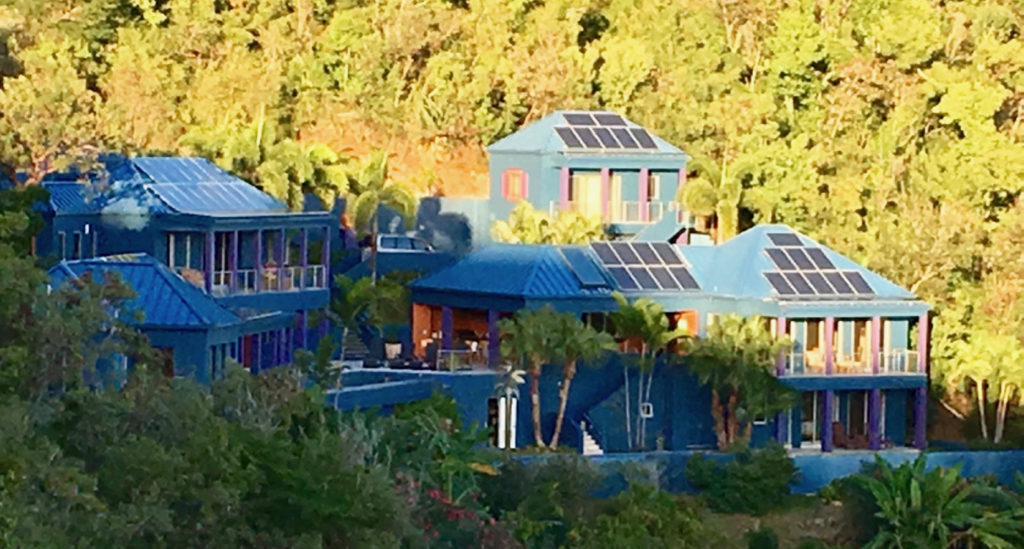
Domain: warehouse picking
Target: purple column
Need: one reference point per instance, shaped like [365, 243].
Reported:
[826, 421]
[645, 212]
[447, 325]
[493, 341]
[233, 282]
[281, 257]
[921, 418]
[563, 189]
[876, 344]
[922, 344]
[283, 337]
[830, 355]
[780, 370]
[258, 261]
[326, 258]
[304, 256]
[874, 417]
[606, 180]
[300, 330]
[208, 261]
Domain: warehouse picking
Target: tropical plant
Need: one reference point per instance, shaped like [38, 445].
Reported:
[990, 361]
[717, 191]
[642, 326]
[736, 359]
[360, 302]
[370, 188]
[526, 225]
[573, 342]
[528, 337]
[509, 380]
[726, 486]
[937, 508]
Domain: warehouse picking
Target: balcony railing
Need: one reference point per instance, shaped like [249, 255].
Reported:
[629, 211]
[465, 359]
[273, 279]
[813, 364]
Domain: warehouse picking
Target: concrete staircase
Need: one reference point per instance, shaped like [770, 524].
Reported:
[590, 446]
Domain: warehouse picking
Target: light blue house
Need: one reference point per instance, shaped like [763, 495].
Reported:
[235, 244]
[594, 162]
[854, 361]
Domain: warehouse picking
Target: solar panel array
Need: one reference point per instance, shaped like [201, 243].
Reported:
[603, 132]
[806, 271]
[237, 196]
[641, 266]
[586, 272]
[182, 170]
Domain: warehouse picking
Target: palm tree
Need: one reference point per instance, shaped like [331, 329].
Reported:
[736, 359]
[575, 341]
[361, 302]
[643, 322]
[509, 380]
[717, 191]
[370, 188]
[527, 337]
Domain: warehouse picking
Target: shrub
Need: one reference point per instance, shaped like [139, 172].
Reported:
[762, 538]
[728, 487]
[642, 516]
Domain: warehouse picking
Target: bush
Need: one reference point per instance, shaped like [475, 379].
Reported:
[642, 516]
[762, 538]
[727, 487]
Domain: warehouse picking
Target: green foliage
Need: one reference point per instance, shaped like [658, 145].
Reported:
[728, 486]
[642, 516]
[526, 225]
[762, 538]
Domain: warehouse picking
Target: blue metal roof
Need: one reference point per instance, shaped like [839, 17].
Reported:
[158, 185]
[541, 137]
[512, 270]
[163, 297]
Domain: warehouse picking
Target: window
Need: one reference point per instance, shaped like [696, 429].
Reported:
[77, 245]
[514, 185]
[646, 410]
[653, 187]
[62, 242]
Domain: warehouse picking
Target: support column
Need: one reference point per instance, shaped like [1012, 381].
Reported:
[780, 370]
[643, 183]
[447, 325]
[208, 261]
[327, 258]
[826, 421]
[921, 418]
[606, 181]
[258, 261]
[233, 282]
[874, 419]
[796, 421]
[304, 257]
[284, 357]
[922, 344]
[876, 344]
[493, 341]
[563, 189]
[830, 352]
[282, 256]
[300, 330]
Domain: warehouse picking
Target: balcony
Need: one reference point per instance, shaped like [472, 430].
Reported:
[812, 363]
[271, 279]
[453, 360]
[630, 211]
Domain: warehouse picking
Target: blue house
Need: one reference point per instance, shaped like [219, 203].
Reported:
[854, 360]
[237, 245]
[593, 162]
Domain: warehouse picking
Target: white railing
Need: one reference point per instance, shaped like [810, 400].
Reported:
[314, 277]
[246, 281]
[627, 211]
[812, 363]
[461, 359]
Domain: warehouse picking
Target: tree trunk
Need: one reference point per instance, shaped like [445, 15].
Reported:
[717, 413]
[1005, 393]
[732, 424]
[629, 429]
[981, 409]
[563, 399]
[508, 419]
[341, 344]
[535, 405]
[647, 398]
[373, 247]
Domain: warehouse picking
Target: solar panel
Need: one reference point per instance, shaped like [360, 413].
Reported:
[860, 285]
[820, 259]
[780, 259]
[569, 138]
[579, 119]
[667, 253]
[625, 138]
[604, 135]
[646, 253]
[664, 278]
[779, 283]
[799, 283]
[819, 283]
[622, 278]
[644, 278]
[785, 239]
[686, 280]
[800, 259]
[605, 254]
[608, 119]
[586, 272]
[625, 251]
[643, 138]
[587, 136]
[836, 279]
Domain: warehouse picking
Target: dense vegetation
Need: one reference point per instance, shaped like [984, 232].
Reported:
[889, 130]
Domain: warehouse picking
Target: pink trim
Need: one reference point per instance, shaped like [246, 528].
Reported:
[830, 355]
[644, 183]
[563, 189]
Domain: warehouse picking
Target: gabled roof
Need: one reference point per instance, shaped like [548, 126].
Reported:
[541, 136]
[153, 185]
[528, 271]
[737, 267]
[164, 298]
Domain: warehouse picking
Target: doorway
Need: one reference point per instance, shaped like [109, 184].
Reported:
[585, 194]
